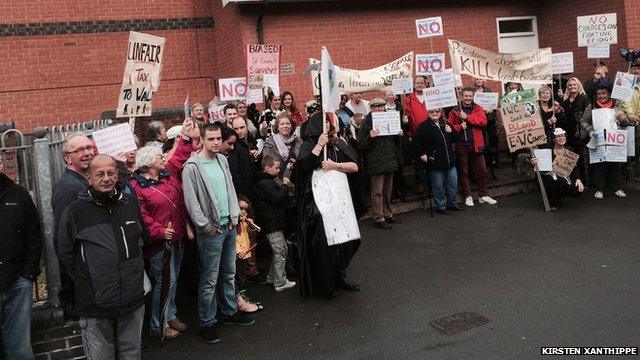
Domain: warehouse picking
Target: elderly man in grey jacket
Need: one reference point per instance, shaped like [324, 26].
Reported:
[212, 204]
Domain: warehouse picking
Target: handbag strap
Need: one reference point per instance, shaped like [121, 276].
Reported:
[166, 197]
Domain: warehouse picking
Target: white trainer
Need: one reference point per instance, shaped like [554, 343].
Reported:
[598, 195]
[287, 285]
[468, 201]
[620, 194]
[487, 200]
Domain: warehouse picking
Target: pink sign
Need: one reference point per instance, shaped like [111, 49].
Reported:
[261, 60]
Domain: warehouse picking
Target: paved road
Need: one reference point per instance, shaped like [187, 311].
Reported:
[568, 278]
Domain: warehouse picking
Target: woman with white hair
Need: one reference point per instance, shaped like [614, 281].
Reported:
[156, 184]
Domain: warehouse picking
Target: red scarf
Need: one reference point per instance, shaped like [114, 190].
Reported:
[607, 105]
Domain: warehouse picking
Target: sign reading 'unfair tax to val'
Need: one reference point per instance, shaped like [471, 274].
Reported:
[525, 67]
[523, 129]
[598, 29]
[141, 75]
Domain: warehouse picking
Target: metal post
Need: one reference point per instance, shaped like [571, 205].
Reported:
[44, 188]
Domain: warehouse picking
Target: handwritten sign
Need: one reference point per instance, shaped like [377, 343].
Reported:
[217, 114]
[287, 69]
[429, 27]
[402, 86]
[426, 64]
[598, 51]
[562, 63]
[141, 75]
[523, 127]
[601, 29]
[445, 78]
[261, 60]
[524, 67]
[376, 79]
[611, 146]
[544, 159]
[232, 89]
[623, 86]
[604, 119]
[528, 95]
[386, 122]
[564, 163]
[333, 199]
[488, 100]
[114, 140]
[440, 97]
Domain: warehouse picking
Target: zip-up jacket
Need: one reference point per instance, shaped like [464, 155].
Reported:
[99, 246]
[430, 139]
[21, 239]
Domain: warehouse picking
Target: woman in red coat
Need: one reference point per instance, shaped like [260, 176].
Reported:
[156, 184]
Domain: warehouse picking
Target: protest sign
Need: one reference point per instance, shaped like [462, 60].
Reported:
[562, 63]
[528, 95]
[523, 127]
[287, 69]
[271, 83]
[440, 97]
[254, 96]
[141, 75]
[429, 27]
[402, 86]
[611, 146]
[376, 79]
[329, 78]
[114, 140]
[631, 140]
[524, 67]
[426, 64]
[564, 163]
[603, 119]
[623, 86]
[387, 122]
[261, 60]
[544, 159]
[601, 29]
[232, 89]
[445, 78]
[333, 199]
[488, 100]
[598, 51]
[217, 114]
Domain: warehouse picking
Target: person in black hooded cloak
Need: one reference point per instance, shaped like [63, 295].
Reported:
[322, 267]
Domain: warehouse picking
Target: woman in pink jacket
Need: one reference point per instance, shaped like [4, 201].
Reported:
[156, 183]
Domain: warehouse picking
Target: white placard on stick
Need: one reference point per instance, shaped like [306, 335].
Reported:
[598, 51]
[600, 28]
[402, 86]
[387, 122]
[611, 146]
[544, 159]
[440, 97]
[445, 78]
[114, 140]
[426, 64]
[488, 100]
[217, 113]
[232, 89]
[429, 27]
[603, 119]
[333, 199]
[562, 63]
[623, 86]
[272, 81]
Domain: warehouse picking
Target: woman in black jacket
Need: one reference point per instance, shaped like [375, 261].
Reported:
[575, 101]
[433, 143]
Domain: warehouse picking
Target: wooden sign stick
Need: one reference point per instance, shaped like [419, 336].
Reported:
[545, 199]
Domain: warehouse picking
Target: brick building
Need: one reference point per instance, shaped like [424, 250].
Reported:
[63, 61]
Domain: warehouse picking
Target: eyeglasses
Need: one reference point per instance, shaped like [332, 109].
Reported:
[80, 150]
[435, 111]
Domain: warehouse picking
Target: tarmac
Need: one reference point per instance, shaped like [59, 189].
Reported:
[564, 278]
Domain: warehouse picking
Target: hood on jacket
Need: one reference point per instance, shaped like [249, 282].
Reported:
[144, 182]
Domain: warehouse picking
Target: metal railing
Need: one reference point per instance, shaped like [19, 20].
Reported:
[36, 163]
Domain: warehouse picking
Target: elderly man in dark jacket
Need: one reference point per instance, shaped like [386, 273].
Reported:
[19, 267]
[99, 241]
[382, 161]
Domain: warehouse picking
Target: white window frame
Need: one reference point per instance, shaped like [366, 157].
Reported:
[534, 25]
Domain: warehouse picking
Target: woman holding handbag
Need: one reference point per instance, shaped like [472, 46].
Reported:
[156, 184]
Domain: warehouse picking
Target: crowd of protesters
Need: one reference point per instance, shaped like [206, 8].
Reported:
[190, 207]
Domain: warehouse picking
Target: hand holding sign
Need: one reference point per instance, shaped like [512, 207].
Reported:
[374, 133]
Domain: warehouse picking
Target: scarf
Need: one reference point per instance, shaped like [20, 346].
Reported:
[106, 199]
[283, 144]
[607, 105]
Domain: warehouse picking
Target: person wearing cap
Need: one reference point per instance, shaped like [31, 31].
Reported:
[632, 109]
[556, 185]
[169, 146]
[381, 161]
[600, 78]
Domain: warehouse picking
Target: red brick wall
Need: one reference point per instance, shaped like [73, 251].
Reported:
[557, 25]
[55, 79]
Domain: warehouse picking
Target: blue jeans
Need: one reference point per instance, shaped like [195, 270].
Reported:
[155, 267]
[441, 179]
[16, 301]
[218, 259]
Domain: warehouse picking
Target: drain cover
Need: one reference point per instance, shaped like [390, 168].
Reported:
[455, 323]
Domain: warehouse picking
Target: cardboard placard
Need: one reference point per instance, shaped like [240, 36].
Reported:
[600, 28]
[114, 140]
[387, 122]
[426, 64]
[523, 126]
[429, 27]
[524, 67]
[141, 75]
[564, 163]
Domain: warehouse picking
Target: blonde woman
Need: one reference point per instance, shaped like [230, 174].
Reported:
[574, 103]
